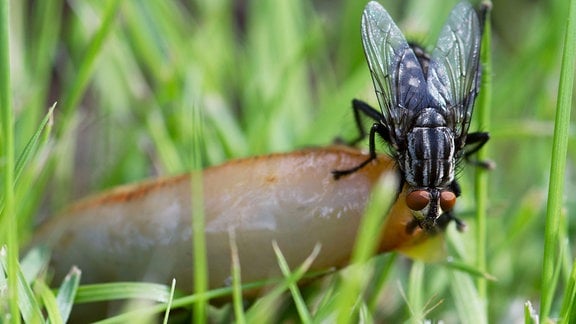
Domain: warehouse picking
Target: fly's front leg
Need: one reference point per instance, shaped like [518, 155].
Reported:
[474, 142]
[376, 128]
[455, 187]
[360, 108]
[445, 219]
[441, 223]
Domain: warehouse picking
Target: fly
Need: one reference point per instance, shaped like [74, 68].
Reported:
[426, 106]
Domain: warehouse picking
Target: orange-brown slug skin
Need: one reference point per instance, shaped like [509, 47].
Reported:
[142, 232]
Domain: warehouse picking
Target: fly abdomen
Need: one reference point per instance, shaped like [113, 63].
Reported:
[429, 158]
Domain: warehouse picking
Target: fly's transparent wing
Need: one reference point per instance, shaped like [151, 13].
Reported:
[398, 78]
[454, 71]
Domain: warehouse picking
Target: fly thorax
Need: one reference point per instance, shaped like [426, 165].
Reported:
[429, 117]
[429, 158]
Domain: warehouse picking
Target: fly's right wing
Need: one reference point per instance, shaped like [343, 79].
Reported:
[454, 72]
[397, 75]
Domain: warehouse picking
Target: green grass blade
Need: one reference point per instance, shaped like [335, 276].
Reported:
[415, 299]
[38, 139]
[80, 82]
[530, 315]
[35, 141]
[568, 311]
[365, 247]
[303, 311]
[27, 302]
[46, 26]
[169, 306]
[261, 311]
[471, 270]
[558, 164]
[481, 179]
[50, 304]
[382, 270]
[198, 216]
[157, 128]
[237, 301]
[148, 311]
[368, 233]
[34, 262]
[67, 293]
[8, 218]
[122, 290]
[469, 306]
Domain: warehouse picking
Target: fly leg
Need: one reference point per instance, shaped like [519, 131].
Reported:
[441, 224]
[376, 128]
[360, 108]
[446, 218]
[474, 142]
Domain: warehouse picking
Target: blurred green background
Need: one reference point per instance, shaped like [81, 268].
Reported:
[273, 76]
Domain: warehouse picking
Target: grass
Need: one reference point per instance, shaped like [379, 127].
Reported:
[132, 80]
[553, 234]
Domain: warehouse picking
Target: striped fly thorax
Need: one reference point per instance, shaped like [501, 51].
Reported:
[429, 157]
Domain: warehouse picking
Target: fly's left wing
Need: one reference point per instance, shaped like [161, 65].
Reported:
[397, 75]
[454, 72]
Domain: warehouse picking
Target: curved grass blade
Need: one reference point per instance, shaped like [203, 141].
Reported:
[67, 293]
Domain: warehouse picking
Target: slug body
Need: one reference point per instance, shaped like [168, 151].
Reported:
[143, 232]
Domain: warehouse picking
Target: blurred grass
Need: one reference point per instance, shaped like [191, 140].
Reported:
[8, 162]
[555, 233]
[484, 105]
[273, 76]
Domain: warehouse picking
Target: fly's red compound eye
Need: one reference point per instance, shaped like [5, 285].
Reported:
[447, 200]
[418, 199]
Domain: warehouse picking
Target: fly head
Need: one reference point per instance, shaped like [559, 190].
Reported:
[428, 204]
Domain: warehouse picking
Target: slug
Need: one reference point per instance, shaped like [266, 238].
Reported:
[142, 232]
